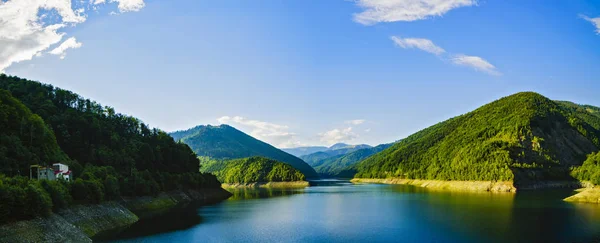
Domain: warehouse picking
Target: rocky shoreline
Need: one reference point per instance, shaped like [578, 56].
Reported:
[585, 195]
[471, 186]
[81, 223]
[279, 184]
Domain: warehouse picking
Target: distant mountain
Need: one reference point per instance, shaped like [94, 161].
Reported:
[339, 146]
[334, 165]
[225, 142]
[316, 159]
[522, 138]
[251, 170]
[300, 151]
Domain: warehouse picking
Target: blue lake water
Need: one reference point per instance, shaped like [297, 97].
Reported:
[337, 211]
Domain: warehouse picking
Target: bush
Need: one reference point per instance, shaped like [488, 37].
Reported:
[59, 193]
[38, 202]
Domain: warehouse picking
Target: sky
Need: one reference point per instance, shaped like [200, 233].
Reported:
[298, 73]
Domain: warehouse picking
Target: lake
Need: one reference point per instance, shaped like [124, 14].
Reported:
[338, 211]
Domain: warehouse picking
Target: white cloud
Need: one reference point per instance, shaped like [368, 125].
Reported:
[356, 122]
[427, 45]
[419, 43]
[129, 5]
[594, 21]
[30, 27]
[376, 11]
[475, 62]
[68, 44]
[275, 134]
[338, 135]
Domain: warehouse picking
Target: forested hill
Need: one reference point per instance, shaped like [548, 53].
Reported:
[24, 138]
[91, 133]
[251, 170]
[523, 137]
[335, 151]
[333, 166]
[225, 142]
[111, 154]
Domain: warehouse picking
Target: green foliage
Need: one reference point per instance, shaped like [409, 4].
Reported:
[24, 138]
[501, 141]
[590, 170]
[21, 198]
[87, 132]
[37, 201]
[225, 142]
[253, 169]
[59, 193]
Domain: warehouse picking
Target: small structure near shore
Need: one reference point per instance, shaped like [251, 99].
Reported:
[57, 171]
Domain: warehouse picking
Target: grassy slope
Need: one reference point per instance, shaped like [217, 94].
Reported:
[251, 170]
[524, 137]
[225, 142]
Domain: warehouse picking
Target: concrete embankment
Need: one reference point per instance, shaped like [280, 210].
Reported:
[474, 186]
[279, 184]
[82, 222]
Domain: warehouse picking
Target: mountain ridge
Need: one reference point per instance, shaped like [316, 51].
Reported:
[524, 137]
[225, 142]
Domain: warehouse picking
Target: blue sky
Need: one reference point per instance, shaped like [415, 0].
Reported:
[310, 72]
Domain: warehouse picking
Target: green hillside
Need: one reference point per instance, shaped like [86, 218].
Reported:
[333, 166]
[524, 137]
[335, 151]
[110, 154]
[225, 142]
[253, 169]
[24, 139]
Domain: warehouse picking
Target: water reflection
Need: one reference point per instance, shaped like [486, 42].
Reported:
[258, 193]
[176, 219]
[336, 211]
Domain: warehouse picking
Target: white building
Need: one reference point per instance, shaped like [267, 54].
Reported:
[50, 173]
[62, 171]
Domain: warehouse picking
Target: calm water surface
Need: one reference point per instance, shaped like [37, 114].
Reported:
[337, 211]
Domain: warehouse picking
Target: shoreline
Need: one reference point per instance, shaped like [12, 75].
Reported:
[82, 223]
[273, 184]
[588, 194]
[464, 186]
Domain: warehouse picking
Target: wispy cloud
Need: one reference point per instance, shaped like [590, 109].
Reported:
[427, 45]
[476, 63]
[61, 50]
[376, 11]
[31, 27]
[338, 135]
[355, 122]
[275, 134]
[419, 43]
[126, 5]
[594, 21]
